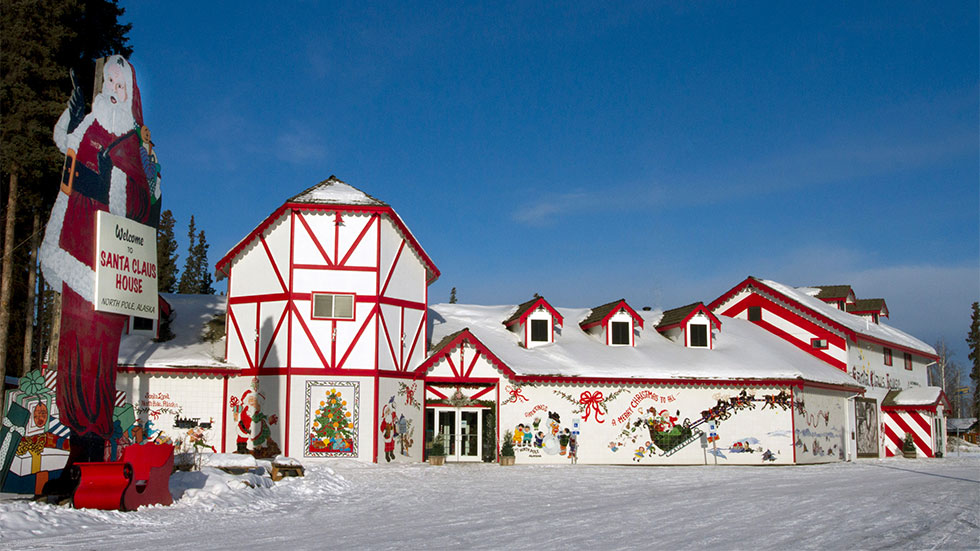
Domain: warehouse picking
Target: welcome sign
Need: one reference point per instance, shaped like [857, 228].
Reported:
[125, 267]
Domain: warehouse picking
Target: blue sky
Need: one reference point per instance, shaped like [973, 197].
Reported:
[656, 152]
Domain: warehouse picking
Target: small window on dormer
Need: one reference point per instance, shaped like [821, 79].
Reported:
[539, 331]
[620, 332]
[874, 317]
[699, 335]
[755, 313]
[818, 344]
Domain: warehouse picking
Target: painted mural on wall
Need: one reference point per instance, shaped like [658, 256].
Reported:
[866, 431]
[398, 431]
[331, 418]
[648, 425]
[254, 427]
[545, 434]
[657, 430]
[819, 431]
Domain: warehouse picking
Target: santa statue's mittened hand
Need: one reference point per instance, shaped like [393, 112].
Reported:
[76, 104]
[105, 166]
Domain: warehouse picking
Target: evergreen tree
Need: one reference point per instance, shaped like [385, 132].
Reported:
[167, 254]
[452, 296]
[204, 272]
[332, 426]
[973, 339]
[189, 282]
[40, 40]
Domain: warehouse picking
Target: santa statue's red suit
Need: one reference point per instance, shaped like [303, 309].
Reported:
[110, 166]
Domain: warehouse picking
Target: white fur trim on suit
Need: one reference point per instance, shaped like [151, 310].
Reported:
[57, 264]
[117, 192]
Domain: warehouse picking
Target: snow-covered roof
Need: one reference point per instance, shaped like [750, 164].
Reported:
[187, 349]
[916, 396]
[333, 191]
[806, 296]
[741, 351]
[961, 424]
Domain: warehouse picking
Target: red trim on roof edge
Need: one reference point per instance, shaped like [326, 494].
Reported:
[221, 265]
[621, 304]
[683, 323]
[558, 319]
[851, 334]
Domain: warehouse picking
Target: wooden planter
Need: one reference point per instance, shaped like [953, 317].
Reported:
[506, 460]
[908, 454]
[437, 460]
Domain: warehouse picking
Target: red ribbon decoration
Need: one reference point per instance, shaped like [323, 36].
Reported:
[591, 400]
[515, 394]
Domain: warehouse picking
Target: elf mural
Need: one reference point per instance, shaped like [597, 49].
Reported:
[109, 167]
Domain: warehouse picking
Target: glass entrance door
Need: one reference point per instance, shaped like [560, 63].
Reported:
[461, 431]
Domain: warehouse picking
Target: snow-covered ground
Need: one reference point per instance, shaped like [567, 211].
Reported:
[868, 504]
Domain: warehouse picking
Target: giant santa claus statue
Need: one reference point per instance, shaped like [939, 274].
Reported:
[110, 166]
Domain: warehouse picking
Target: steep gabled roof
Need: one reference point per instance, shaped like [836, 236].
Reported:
[333, 191]
[525, 308]
[448, 343]
[850, 325]
[600, 314]
[868, 305]
[327, 195]
[678, 316]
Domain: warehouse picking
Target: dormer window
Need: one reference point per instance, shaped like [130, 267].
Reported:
[534, 321]
[698, 335]
[539, 331]
[620, 333]
[690, 325]
[614, 323]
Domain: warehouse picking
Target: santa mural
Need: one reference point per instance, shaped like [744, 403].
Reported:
[110, 166]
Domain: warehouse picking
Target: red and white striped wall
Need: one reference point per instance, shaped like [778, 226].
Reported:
[917, 422]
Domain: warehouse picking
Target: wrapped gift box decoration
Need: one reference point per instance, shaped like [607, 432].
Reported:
[33, 395]
[11, 432]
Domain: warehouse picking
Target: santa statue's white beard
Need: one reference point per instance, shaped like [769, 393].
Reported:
[116, 118]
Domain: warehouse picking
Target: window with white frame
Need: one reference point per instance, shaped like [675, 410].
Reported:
[699, 335]
[333, 306]
[539, 331]
[620, 332]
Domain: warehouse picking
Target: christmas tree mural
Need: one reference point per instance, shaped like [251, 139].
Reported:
[333, 427]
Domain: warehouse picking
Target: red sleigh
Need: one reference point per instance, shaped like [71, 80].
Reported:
[140, 477]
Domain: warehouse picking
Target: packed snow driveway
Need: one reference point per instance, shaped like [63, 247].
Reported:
[874, 504]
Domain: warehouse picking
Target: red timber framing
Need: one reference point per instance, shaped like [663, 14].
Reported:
[398, 340]
[832, 338]
[394, 326]
[802, 312]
